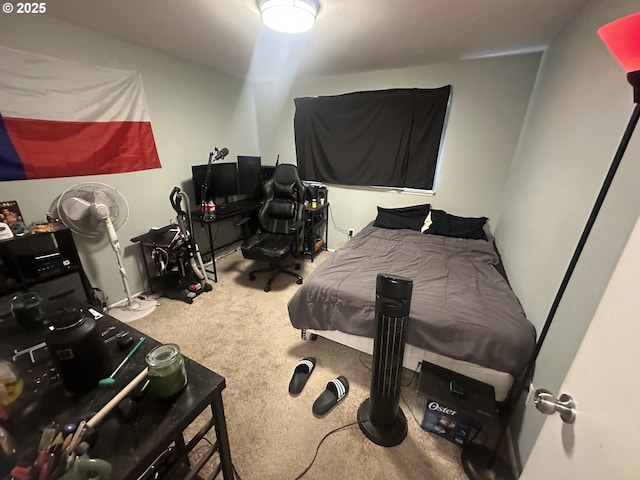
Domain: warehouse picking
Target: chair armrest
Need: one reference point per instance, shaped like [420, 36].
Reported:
[242, 221]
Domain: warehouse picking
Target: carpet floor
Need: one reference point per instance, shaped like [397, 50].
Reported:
[244, 334]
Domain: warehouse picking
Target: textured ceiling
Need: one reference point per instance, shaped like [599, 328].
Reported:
[349, 36]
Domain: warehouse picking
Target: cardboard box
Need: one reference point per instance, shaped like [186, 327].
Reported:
[448, 423]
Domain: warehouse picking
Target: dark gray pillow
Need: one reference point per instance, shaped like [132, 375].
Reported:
[448, 225]
[411, 217]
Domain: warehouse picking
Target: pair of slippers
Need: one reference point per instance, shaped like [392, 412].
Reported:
[335, 391]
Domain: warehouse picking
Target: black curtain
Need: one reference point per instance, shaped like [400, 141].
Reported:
[375, 138]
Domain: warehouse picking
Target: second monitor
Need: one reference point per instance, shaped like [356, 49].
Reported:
[249, 176]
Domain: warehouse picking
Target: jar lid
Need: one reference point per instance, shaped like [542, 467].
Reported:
[67, 317]
[26, 299]
[163, 355]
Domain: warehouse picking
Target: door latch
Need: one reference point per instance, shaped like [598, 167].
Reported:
[548, 404]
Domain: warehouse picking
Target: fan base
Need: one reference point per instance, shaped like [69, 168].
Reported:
[385, 437]
[134, 310]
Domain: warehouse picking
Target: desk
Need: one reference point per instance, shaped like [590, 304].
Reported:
[243, 207]
[131, 446]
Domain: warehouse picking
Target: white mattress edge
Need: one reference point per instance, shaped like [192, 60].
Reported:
[501, 381]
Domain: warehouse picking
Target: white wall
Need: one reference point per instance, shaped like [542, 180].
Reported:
[579, 111]
[192, 111]
[488, 104]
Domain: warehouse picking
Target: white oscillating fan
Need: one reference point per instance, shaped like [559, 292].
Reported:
[90, 209]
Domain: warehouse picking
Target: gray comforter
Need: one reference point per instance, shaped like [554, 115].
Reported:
[461, 306]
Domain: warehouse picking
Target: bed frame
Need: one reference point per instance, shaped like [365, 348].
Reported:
[464, 315]
[413, 356]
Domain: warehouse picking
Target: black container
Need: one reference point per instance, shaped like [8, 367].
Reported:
[78, 350]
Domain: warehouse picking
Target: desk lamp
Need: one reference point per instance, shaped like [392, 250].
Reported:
[622, 37]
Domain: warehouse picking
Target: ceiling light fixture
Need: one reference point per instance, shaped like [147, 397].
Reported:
[289, 16]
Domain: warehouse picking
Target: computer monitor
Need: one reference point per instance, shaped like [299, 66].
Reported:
[223, 181]
[249, 176]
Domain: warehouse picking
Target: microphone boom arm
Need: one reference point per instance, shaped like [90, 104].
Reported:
[219, 154]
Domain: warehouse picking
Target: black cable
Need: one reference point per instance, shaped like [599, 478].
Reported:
[415, 372]
[368, 367]
[235, 472]
[304, 472]
[99, 293]
[334, 224]
[412, 414]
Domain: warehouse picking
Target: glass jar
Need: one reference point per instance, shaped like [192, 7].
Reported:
[27, 308]
[167, 374]
[11, 385]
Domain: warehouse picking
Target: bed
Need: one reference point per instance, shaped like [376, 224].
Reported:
[464, 315]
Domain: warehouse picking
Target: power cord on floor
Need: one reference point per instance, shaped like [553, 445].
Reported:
[235, 472]
[304, 472]
[410, 409]
[368, 367]
[413, 376]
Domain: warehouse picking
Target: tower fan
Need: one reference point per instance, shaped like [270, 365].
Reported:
[380, 417]
[91, 209]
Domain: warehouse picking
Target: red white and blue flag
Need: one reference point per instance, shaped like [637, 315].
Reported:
[63, 119]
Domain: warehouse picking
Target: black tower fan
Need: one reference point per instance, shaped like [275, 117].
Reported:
[380, 417]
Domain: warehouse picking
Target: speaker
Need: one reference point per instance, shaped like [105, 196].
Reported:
[322, 195]
[379, 416]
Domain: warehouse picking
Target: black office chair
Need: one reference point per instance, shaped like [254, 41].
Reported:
[280, 219]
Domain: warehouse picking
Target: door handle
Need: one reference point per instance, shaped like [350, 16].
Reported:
[548, 404]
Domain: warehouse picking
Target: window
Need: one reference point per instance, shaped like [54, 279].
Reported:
[385, 138]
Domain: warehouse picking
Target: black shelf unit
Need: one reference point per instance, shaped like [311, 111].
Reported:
[46, 263]
[316, 233]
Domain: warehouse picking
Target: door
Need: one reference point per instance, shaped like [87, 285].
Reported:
[604, 441]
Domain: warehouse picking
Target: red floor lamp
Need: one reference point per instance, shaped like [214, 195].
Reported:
[622, 37]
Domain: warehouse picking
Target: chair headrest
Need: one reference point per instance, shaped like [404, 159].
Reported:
[286, 173]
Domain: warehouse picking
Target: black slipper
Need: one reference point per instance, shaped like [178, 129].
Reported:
[336, 390]
[301, 374]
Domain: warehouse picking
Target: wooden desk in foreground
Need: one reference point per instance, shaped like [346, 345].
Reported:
[152, 440]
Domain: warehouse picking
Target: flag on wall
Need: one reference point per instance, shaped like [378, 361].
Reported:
[63, 119]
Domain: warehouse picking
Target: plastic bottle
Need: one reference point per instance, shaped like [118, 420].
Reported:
[212, 210]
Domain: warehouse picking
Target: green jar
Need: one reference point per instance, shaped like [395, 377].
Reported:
[167, 375]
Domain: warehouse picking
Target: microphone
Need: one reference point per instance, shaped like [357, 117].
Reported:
[221, 153]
